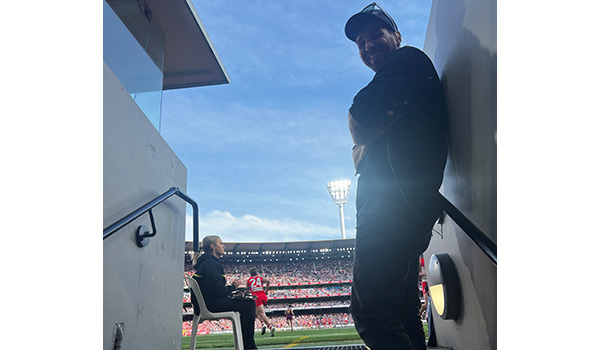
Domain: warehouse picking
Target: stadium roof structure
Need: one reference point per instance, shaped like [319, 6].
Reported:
[190, 59]
[249, 249]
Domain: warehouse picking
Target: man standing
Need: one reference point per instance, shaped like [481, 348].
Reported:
[398, 123]
[289, 317]
[259, 287]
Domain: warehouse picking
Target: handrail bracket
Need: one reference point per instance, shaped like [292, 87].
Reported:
[143, 235]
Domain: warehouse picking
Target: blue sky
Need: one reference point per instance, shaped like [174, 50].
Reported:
[260, 150]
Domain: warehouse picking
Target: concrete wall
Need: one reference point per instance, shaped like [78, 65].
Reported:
[461, 41]
[143, 287]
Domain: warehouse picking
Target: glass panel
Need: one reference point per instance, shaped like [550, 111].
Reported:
[134, 51]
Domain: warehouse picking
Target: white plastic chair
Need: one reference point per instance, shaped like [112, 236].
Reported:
[205, 314]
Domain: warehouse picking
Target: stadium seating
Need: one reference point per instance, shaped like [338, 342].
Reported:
[205, 314]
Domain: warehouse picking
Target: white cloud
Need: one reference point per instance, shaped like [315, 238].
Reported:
[250, 228]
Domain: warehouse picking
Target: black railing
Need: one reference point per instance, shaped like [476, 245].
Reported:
[110, 230]
[482, 241]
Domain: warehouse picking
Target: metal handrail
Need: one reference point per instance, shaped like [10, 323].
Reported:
[482, 241]
[110, 230]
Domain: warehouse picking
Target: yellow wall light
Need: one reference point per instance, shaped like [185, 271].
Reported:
[444, 286]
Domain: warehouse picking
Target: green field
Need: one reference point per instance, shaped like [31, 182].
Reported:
[283, 339]
[288, 339]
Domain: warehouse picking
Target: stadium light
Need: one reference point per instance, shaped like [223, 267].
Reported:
[339, 190]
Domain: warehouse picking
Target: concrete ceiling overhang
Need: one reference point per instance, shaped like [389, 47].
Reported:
[190, 58]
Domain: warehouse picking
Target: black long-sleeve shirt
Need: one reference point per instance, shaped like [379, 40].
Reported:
[411, 155]
[211, 277]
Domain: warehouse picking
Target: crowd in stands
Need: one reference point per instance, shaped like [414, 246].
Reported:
[288, 293]
[305, 305]
[303, 292]
[295, 272]
[308, 305]
[207, 327]
[292, 272]
[328, 320]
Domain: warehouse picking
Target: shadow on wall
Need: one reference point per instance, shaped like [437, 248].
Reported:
[468, 73]
[473, 117]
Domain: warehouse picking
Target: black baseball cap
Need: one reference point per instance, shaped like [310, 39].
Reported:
[371, 13]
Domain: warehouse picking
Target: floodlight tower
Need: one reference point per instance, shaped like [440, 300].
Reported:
[339, 190]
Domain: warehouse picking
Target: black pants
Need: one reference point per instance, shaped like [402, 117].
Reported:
[247, 310]
[385, 297]
[432, 340]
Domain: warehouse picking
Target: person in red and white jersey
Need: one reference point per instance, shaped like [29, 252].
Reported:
[259, 287]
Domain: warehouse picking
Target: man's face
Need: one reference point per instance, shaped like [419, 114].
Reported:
[375, 43]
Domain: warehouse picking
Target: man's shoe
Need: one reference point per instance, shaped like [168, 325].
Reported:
[264, 329]
[273, 332]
